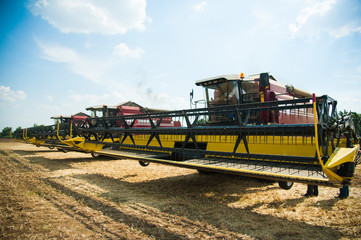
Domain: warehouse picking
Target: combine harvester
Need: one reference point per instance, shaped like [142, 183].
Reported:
[252, 126]
[53, 136]
[60, 135]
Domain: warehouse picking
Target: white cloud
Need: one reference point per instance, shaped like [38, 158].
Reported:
[92, 16]
[48, 107]
[8, 95]
[345, 31]
[348, 100]
[77, 102]
[316, 8]
[265, 20]
[89, 44]
[200, 6]
[161, 75]
[93, 69]
[104, 71]
[77, 63]
[163, 100]
[123, 50]
[90, 99]
[57, 53]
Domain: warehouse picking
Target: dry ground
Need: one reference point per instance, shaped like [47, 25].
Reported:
[48, 194]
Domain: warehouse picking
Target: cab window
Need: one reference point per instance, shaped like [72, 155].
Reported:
[225, 93]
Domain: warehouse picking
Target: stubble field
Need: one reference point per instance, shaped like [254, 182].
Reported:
[49, 194]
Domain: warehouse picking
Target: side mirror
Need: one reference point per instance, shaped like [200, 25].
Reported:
[264, 80]
[191, 94]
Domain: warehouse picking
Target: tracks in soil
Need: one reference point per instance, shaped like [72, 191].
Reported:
[82, 211]
[47, 194]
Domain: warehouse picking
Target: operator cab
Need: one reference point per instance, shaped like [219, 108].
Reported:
[61, 119]
[235, 89]
[103, 111]
[75, 119]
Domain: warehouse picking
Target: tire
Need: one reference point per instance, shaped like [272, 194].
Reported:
[204, 172]
[51, 148]
[95, 155]
[285, 185]
[63, 150]
[144, 163]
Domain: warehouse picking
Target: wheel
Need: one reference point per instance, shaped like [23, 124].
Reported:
[144, 163]
[285, 185]
[95, 155]
[37, 145]
[204, 171]
[51, 148]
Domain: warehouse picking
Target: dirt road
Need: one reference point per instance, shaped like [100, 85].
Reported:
[49, 194]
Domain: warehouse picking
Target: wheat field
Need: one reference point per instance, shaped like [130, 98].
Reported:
[49, 194]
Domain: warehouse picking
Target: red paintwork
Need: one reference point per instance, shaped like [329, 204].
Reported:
[143, 123]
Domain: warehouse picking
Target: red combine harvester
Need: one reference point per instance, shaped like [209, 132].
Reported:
[128, 109]
[253, 126]
[236, 89]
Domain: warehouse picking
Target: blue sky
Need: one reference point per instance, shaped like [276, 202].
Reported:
[58, 57]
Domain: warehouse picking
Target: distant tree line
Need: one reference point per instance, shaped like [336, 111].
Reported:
[7, 131]
[356, 117]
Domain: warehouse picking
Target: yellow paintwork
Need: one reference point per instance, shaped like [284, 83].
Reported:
[342, 155]
[268, 145]
[257, 145]
[90, 147]
[31, 140]
[336, 159]
[72, 141]
[120, 154]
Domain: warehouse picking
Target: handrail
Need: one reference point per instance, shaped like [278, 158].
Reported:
[316, 132]
[69, 142]
[71, 129]
[57, 133]
[25, 134]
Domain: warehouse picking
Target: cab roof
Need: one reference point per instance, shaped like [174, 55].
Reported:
[228, 77]
[100, 107]
[70, 116]
[61, 116]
